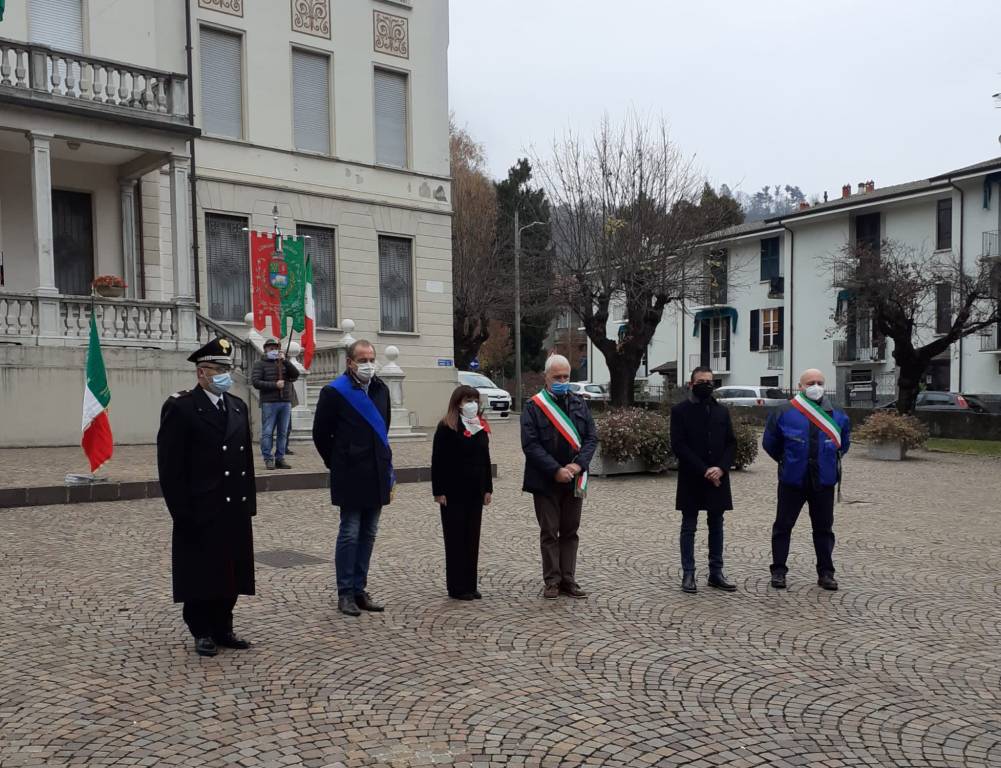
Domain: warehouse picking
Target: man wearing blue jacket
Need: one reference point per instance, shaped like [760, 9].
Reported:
[807, 438]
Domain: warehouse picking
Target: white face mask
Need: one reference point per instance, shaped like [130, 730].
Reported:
[470, 410]
[365, 371]
[815, 392]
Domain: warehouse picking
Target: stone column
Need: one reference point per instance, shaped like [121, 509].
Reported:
[399, 419]
[41, 216]
[130, 250]
[180, 230]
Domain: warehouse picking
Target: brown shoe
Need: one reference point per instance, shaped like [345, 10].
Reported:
[573, 591]
[551, 592]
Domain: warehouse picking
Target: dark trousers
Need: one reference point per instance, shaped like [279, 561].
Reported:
[558, 514]
[689, 522]
[355, 542]
[821, 505]
[460, 525]
[209, 618]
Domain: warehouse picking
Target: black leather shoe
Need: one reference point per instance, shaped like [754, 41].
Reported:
[827, 581]
[282, 464]
[572, 590]
[477, 595]
[464, 596]
[364, 601]
[229, 640]
[347, 606]
[205, 646]
[688, 583]
[778, 581]
[718, 581]
[289, 452]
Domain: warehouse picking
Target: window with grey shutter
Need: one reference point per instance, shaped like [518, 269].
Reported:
[227, 257]
[320, 250]
[56, 23]
[311, 101]
[396, 284]
[222, 83]
[390, 118]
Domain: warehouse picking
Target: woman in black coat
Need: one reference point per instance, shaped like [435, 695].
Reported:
[462, 484]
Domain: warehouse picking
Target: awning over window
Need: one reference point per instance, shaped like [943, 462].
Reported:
[663, 369]
[709, 314]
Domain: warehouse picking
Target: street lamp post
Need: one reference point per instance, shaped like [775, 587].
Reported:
[517, 305]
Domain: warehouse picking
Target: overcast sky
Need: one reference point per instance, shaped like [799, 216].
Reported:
[816, 93]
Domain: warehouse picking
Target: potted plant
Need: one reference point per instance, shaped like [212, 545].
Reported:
[109, 286]
[889, 435]
[632, 440]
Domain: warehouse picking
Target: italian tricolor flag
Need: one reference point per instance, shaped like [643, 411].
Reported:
[97, 441]
[309, 334]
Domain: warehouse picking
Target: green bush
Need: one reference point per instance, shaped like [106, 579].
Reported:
[890, 426]
[746, 433]
[635, 433]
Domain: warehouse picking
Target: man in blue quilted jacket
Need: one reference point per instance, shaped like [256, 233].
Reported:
[807, 437]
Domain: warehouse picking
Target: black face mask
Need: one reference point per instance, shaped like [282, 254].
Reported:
[703, 390]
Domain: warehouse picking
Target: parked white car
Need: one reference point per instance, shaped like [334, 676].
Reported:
[750, 395]
[588, 390]
[493, 400]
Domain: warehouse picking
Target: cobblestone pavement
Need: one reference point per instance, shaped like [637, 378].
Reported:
[902, 667]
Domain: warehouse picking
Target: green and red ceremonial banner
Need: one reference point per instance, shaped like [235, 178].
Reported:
[278, 282]
[97, 441]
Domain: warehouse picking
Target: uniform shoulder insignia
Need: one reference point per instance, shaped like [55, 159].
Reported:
[182, 393]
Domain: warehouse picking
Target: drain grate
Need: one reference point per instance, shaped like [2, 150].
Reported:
[287, 558]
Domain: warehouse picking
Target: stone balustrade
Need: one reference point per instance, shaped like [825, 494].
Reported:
[18, 316]
[40, 69]
[130, 320]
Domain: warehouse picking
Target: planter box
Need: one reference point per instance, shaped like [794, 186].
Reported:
[603, 467]
[894, 451]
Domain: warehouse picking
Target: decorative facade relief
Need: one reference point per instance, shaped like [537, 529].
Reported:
[392, 35]
[311, 17]
[232, 7]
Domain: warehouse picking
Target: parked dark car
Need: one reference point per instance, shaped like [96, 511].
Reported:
[944, 401]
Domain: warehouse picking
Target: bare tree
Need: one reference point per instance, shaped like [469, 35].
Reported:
[924, 302]
[479, 289]
[622, 232]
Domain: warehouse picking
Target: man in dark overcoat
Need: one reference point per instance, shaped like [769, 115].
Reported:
[206, 466]
[350, 432]
[703, 441]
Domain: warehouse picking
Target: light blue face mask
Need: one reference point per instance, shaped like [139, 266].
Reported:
[271, 354]
[560, 387]
[221, 382]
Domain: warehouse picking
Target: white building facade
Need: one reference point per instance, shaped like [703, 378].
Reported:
[769, 309]
[124, 155]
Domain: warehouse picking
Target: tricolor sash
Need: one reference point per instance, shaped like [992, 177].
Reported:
[565, 426]
[818, 417]
[362, 403]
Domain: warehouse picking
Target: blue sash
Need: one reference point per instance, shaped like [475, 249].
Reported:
[359, 400]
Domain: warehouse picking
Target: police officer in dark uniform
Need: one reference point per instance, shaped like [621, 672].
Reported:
[206, 466]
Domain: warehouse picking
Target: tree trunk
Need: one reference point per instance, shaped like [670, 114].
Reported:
[623, 377]
[908, 385]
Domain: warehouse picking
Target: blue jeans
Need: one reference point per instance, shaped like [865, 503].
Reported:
[275, 417]
[689, 522]
[355, 541]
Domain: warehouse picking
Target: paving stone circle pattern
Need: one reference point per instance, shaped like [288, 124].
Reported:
[901, 667]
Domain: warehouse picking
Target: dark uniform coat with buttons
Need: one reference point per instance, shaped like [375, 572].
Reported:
[702, 437]
[206, 465]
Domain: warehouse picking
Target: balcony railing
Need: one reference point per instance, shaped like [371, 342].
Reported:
[72, 77]
[850, 352]
[776, 359]
[120, 322]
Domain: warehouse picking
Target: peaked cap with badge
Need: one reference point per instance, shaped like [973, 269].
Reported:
[219, 350]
